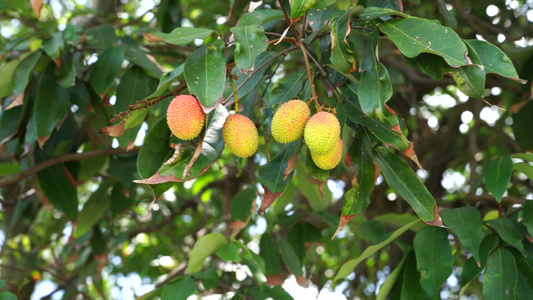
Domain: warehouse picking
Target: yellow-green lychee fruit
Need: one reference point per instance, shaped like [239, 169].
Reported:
[289, 121]
[185, 117]
[240, 135]
[321, 132]
[329, 160]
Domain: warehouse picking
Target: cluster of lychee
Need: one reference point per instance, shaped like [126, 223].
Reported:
[186, 119]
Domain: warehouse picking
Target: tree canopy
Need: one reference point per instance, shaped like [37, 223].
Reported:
[431, 198]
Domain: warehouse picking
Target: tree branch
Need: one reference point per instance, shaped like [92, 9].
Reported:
[62, 159]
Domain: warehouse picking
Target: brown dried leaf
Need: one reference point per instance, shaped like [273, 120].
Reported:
[37, 6]
[273, 280]
[410, 152]
[302, 281]
[42, 140]
[114, 130]
[19, 100]
[268, 199]
[342, 222]
[157, 179]
[291, 165]
[152, 38]
[237, 226]
[437, 221]
[195, 156]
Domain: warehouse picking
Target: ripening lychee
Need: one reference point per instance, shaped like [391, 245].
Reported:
[321, 132]
[329, 160]
[240, 135]
[185, 117]
[289, 121]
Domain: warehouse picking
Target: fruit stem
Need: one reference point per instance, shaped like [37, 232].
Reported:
[234, 93]
[310, 78]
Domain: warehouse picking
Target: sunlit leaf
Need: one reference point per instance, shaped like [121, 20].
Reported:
[250, 41]
[180, 289]
[181, 35]
[205, 246]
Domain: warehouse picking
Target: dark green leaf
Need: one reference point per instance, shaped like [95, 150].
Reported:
[414, 36]
[319, 174]
[241, 204]
[57, 188]
[508, 232]
[465, 222]
[265, 60]
[205, 73]
[205, 246]
[7, 73]
[54, 45]
[51, 102]
[271, 173]
[250, 41]
[140, 58]
[525, 267]
[269, 252]
[184, 35]
[106, 68]
[342, 55]
[411, 287]
[166, 80]
[433, 256]
[500, 276]
[528, 216]
[290, 258]
[93, 209]
[101, 36]
[493, 59]
[261, 17]
[498, 176]
[23, 71]
[180, 289]
[448, 16]
[403, 179]
[208, 277]
[288, 89]
[120, 201]
[376, 12]
[7, 296]
[387, 286]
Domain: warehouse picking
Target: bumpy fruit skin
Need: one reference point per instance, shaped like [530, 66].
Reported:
[240, 135]
[321, 132]
[185, 117]
[329, 160]
[289, 121]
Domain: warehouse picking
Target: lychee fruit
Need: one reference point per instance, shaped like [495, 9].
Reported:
[289, 121]
[240, 135]
[185, 117]
[329, 160]
[321, 132]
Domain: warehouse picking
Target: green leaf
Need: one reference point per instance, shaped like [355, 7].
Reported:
[140, 58]
[386, 287]
[289, 256]
[205, 246]
[106, 69]
[433, 256]
[433, 65]
[250, 41]
[56, 187]
[166, 80]
[184, 35]
[448, 16]
[180, 289]
[391, 4]
[411, 287]
[311, 191]
[528, 216]
[120, 200]
[498, 176]
[493, 59]
[525, 168]
[229, 252]
[261, 17]
[414, 36]
[265, 60]
[403, 179]
[371, 13]
[212, 146]
[348, 267]
[241, 204]
[8, 296]
[507, 230]
[465, 222]
[269, 252]
[500, 276]
[7, 73]
[342, 55]
[375, 87]
[524, 156]
[271, 173]
[470, 79]
[471, 269]
[101, 36]
[93, 209]
[208, 277]
[525, 267]
[205, 73]
[54, 45]
[51, 102]
[288, 89]
[23, 71]
[300, 7]
[319, 174]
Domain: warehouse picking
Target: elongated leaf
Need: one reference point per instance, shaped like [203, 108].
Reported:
[141, 59]
[261, 17]
[208, 277]
[205, 73]
[371, 13]
[525, 168]
[470, 79]
[263, 60]
[342, 56]
[106, 68]
[166, 80]
[498, 176]
[250, 41]
[101, 36]
[56, 187]
[524, 156]
[271, 173]
[403, 179]
[414, 36]
[348, 267]
[180, 289]
[51, 102]
[23, 71]
[241, 204]
[180, 35]
[300, 7]
[387, 286]
[205, 246]
[229, 252]
[135, 85]
[287, 90]
[375, 87]
[317, 199]
[433, 256]
[494, 60]
[525, 267]
[528, 216]
[54, 45]
[7, 73]
[465, 222]
[93, 209]
[289, 256]
[508, 232]
[270, 253]
[500, 276]
[448, 16]
[411, 287]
